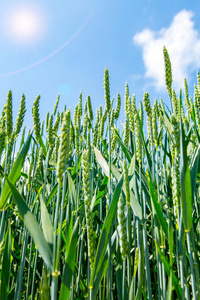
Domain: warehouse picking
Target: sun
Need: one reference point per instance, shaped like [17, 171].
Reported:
[24, 25]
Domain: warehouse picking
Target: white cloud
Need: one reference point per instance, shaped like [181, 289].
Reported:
[183, 45]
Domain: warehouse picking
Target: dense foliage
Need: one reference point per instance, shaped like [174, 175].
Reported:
[92, 210]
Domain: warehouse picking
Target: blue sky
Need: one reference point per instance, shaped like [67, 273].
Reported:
[62, 47]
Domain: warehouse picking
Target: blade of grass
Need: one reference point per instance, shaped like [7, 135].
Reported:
[159, 214]
[168, 269]
[186, 188]
[46, 223]
[124, 148]
[69, 264]
[194, 170]
[101, 160]
[104, 265]
[31, 224]
[135, 206]
[133, 200]
[72, 189]
[6, 265]
[100, 193]
[104, 236]
[52, 193]
[15, 172]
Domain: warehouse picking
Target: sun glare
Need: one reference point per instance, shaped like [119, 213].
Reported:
[24, 25]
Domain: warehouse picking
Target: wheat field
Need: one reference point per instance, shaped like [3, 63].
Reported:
[94, 210]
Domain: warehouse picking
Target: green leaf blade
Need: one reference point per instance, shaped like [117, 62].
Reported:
[15, 172]
[104, 236]
[46, 223]
[156, 205]
[6, 266]
[32, 226]
[170, 272]
[186, 186]
[69, 264]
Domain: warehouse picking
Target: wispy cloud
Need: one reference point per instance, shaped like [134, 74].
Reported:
[183, 44]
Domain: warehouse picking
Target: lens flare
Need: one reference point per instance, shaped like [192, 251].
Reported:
[51, 54]
[24, 25]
